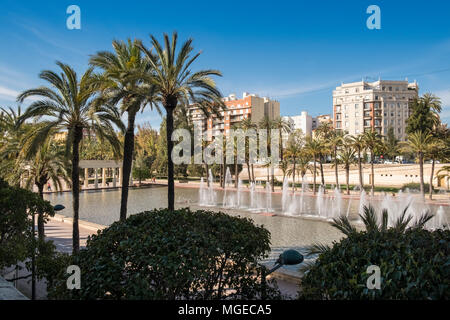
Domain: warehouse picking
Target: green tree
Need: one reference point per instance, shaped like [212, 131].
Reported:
[391, 144]
[67, 104]
[419, 142]
[173, 84]
[120, 83]
[347, 158]
[424, 114]
[314, 147]
[374, 144]
[282, 125]
[360, 146]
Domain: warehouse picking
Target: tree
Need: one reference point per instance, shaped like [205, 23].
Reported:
[324, 133]
[359, 145]
[335, 142]
[246, 125]
[419, 142]
[391, 144]
[293, 152]
[48, 163]
[424, 114]
[374, 144]
[347, 158]
[121, 83]
[173, 84]
[438, 150]
[314, 147]
[266, 124]
[282, 125]
[68, 104]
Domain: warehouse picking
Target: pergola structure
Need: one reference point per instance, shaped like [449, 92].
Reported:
[103, 166]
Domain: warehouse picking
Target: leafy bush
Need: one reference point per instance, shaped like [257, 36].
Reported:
[16, 240]
[416, 187]
[414, 263]
[171, 255]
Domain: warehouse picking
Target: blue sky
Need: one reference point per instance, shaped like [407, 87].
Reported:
[293, 51]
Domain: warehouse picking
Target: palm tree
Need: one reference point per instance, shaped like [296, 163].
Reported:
[359, 145]
[68, 104]
[314, 147]
[335, 142]
[246, 125]
[303, 165]
[293, 153]
[120, 83]
[266, 124]
[438, 150]
[347, 158]
[172, 83]
[373, 143]
[48, 163]
[324, 133]
[419, 142]
[282, 125]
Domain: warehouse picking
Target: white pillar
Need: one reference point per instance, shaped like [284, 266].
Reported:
[86, 178]
[120, 176]
[96, 179]
[103, 177]
[114, 178]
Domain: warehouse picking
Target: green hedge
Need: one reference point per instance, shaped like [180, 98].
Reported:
[414, 264]
[171, 255]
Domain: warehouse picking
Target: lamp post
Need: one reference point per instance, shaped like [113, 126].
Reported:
[288, 257]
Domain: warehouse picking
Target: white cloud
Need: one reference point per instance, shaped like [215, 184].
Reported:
[8, 94]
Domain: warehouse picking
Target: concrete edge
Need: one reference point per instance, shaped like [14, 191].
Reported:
[85, 224]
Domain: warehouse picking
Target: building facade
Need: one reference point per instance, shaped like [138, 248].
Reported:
[250, 106]
[362, 106]
[300, 122]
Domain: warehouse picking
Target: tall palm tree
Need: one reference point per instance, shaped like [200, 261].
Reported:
[121, 83]
[172, 83]
[347, 158]
[293, 152]
[419, 142]
[48, 163]
[324, 133]
[246, 125]
[359, 145]
[68, 104]
[335, 142]
[438, 150]
[266, 124]
[282, 125]
[314, 147]
[373, 143]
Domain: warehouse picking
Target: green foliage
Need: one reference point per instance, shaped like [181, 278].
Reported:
[413, 262]
[161, 254]
[413, 186]
[16, 240]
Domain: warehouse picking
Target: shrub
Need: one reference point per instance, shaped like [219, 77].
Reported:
[414, 263]
[171, 255]
[413, 186]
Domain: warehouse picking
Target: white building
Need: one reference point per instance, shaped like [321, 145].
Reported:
[361, 106]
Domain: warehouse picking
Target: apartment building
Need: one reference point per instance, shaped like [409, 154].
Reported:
[362, 106]
[250, 106]
[300, 122]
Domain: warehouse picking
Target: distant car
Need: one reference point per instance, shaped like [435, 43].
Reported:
[387, 162]
[431, 161]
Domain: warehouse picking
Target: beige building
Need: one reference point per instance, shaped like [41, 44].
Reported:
[361, 106]
[250, 106]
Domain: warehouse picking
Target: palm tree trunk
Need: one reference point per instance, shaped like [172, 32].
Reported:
[128, 149]
[421, 173]
[170, 178]
[78, 135]
[293, 177]
[360, 170]
[281, 144]
[315, 168]
[321, 171]
[253, 173]
[248, 172]
[236, 173]
[336, 167]
[273, 177]
[347, 176]
[372, 171]
[41, 214]
[431, 179]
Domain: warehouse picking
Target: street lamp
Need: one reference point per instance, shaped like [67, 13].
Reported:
[287, 258]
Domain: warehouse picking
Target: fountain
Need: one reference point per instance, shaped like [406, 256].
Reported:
[268, 197]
